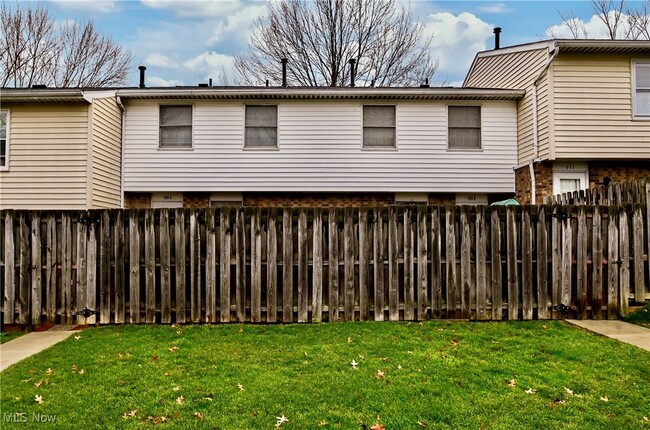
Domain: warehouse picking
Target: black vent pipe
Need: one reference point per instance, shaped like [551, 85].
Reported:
[142, 69]
[353, 71]
[497, 37]
[284, 71]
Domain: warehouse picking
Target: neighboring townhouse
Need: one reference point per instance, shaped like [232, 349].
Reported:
[585, 118]
[59, 149]
[276, 146]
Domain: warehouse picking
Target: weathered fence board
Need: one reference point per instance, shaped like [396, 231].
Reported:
[400, 263]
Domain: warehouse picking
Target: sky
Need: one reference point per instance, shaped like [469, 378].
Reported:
[184, 42]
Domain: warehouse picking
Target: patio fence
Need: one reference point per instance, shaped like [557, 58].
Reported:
[261, 265]
[629, 192]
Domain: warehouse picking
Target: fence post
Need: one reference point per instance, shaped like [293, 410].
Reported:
[364, 266]
[436, 264]
[10, 261]
[624, 267]
[317, 280]
[613, 260]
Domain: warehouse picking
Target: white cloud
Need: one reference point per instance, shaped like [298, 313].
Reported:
[160, 60]
[595, 28]
[94, 6]
[197, 9]
[155, 81]
[237, 24]
[494, 8]
[209, 61]
[456, 39]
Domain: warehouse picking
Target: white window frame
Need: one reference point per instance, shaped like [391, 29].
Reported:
[179, 148]
[277, 129]
[230, 200]
[480, 136]
[569, 170]
[636, 116]
[8, 122]
[363, 127]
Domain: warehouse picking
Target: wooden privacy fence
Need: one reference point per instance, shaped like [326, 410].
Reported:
[630, 192]
[288, 265]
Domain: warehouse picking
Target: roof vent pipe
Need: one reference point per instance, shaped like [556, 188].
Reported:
[210, 82]
[284, 71]
[425, 84]
[497, 37]
[353, 71]
[142, 69]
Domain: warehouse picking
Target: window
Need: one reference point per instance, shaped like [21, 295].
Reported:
[569, 177]
[641, 90]
[175, 126]
[261, 127]
[464, 127]
[166, 200]
[4, 140]
[379, 126]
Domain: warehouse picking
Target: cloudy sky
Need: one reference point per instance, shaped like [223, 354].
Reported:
[186, 42]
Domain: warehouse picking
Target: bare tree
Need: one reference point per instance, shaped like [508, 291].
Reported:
[319, 37]
[34, 51]
[620, 20]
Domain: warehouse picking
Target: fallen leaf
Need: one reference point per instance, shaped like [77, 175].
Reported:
[27, 380]
[154, 358]
[455, 342]
[322, 423]
[74, 368]
[531, 391]
[180, 400]
[241, 387]
[354, 364]
[179, 331]
[38, 384]
[362, 357]
[209, 399]
[168, 373]
[422, 424]
[409, 352]
[421, 324]
[77, 337]
[49, 371]
[38, 399]
[399, 367]
[81, 372]
[173, 349]
[241, 330]
[281, 420]
[379, 374]
[646, 418]
[130, 414]
[176, 388]
[568, 390]
[377, 426]
[512, 383]
[198, 415]
[349, 340]
[604, 399]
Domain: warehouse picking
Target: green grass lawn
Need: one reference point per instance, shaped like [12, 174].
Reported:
[640, 317]
[6, 336]
[436, 375]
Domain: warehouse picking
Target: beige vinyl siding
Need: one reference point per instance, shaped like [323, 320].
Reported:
[593, 109]
[320, 149]
[48, 154]
[106, 153]
[516, 70]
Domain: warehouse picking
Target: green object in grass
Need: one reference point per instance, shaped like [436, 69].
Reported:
[436, 375]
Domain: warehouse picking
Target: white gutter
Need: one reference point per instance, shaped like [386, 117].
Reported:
[119, 103]
[535, 158]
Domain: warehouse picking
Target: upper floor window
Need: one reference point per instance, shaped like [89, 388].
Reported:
[464, 127]
[641, 90]
[379, 126]
[4, 140]
[261, 127]
[175, 126]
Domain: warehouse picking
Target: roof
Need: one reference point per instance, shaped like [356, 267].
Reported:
[574, 46]
[53, 95]
[320, 93]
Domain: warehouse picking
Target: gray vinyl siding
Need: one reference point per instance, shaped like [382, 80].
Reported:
[106, 141]
[320, 149]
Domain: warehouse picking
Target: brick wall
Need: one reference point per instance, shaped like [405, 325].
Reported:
[137, 200]
[442, 199]
[317, 199]
[543, 183]
[617, 171]
[196, 200]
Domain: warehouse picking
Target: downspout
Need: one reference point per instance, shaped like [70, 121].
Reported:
[118, 100]
[533, 190]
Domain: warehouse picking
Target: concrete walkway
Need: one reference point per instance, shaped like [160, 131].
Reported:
[619, 330]
[24, 346]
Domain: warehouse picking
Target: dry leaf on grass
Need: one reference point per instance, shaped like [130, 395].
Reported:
[49, 371]
[241, 387]
[377, 426]
[130, 414]
[380, 374]
[354, 364]
[512, 383]
[568, 390]
[38, 384]
[180, 400]
[531, 391]
[176, 388]
[604, 399]
[38, 399]
[173, 349]
[77, 337]
[198, 415]
[281, 420]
